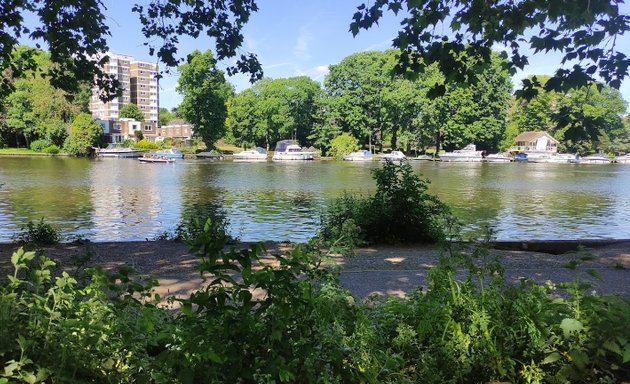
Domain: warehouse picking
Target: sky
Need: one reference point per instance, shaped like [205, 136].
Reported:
[294, 38]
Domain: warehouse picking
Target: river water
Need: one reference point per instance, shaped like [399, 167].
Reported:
[123, 200]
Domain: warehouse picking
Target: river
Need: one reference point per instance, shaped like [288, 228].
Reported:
[123, 200]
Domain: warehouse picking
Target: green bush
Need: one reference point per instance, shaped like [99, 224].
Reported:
[39, 145]
[263, 318]
[38, 234]
[52, 149]
[342, 145]
[145, 144]
[400, 211]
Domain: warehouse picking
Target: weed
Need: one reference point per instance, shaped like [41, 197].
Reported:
[38, 234]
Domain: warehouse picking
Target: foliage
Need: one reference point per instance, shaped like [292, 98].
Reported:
[57, 134]
[131, 111]
[39, 145]
[205, 93]
[342, 145]
[138, 135]
[458, 35]
[85, 133]
[38, 234]
[401, 210]
[166, 116]
[284, 318]
[273, 110]
[145, 144]
[52, 149]
[584, 120]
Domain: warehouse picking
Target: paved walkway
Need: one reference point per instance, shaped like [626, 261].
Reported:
[380, 271]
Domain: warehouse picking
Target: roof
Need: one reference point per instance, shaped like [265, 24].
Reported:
[531, 136]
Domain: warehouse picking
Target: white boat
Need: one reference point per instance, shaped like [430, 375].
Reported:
[288, 150]
[258, 154]
[116, 150]
[545, 157]
[625, 159]
[363, 155]
[467, 154]
[422, 158]
[171, 153]
[593, 159]
[155, 159]
[498, 158]
[394, 156]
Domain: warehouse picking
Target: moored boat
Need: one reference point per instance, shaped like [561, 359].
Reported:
[545, 157]
[288, 150]
[363, 155]
[592, 159]
[171, 153]
[394, 156]
[116, 150]
[422, 158]
[498, 158]
[467, 154]
[625, 159]
[258, 154]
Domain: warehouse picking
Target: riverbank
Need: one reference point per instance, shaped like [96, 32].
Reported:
[380, 270]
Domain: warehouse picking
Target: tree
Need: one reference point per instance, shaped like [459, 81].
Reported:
[275, 109]
[75, 33]
[584, 119]
[85, 133]
[165, 116]
[458, 36]
[131, 111]
[35, 107]
[588, 120]
[355, 89]
[342, 145]
[205, 93]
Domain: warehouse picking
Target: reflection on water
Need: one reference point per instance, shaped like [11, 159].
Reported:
[121, 199]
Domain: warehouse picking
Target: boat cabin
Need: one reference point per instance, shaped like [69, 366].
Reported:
[535, 141]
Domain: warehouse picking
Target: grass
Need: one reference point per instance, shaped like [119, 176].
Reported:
[25, 151]
[227, 148]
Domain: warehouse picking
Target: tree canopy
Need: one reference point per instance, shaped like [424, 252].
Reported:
[273, 110]
[459, 35]
[131, 111]
[205, 93]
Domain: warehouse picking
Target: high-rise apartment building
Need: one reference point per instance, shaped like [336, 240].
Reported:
[140, 86]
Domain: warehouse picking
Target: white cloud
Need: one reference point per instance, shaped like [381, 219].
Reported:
[301, 49]
[315, 73]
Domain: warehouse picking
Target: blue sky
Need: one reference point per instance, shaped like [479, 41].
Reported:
[292, 38]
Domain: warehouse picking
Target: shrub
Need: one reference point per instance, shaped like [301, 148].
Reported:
[342, 145]
[52, 149]
[145, 144]
[57, 134]
[284, 318]
[401, 210]
[38, 234]
[39, 145]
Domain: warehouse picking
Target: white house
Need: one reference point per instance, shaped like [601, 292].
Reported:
[535, 141]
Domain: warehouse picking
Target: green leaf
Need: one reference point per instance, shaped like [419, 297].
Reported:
[569, 326]
[552, 358]
[626, 354]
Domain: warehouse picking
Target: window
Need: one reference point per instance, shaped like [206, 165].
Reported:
[148, 128]
[142, 86]
[142, 72]
[142, 107]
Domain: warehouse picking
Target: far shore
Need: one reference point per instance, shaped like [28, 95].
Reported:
[383, 270]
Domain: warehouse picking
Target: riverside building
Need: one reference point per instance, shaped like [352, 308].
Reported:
[140, 86]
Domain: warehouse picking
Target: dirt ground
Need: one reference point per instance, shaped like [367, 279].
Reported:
[381, 271]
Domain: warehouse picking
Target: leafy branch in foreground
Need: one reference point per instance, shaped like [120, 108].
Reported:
[459, 35]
